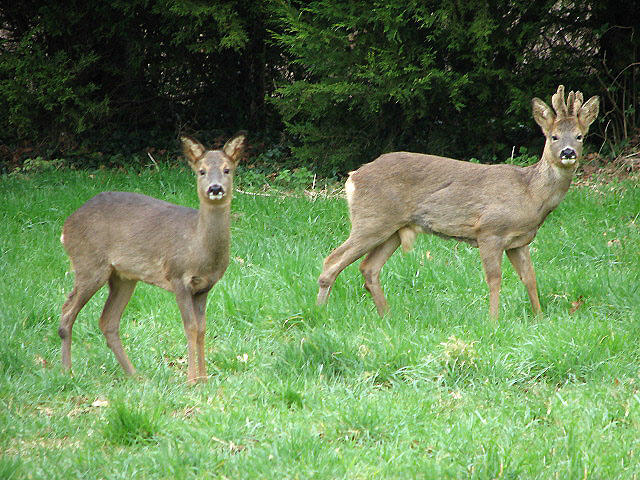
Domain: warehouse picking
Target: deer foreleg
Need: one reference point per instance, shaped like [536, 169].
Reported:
[200, 305]
[188, 313]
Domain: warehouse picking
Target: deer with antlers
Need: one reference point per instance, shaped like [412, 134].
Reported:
[497, 208]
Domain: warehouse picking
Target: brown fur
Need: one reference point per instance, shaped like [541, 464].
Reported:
[121, 238]
[497, 208]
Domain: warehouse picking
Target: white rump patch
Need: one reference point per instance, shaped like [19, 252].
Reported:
[349, 188]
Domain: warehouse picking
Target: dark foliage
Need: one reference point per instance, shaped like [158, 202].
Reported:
[119, 76]
[338, 82]
[451, 78]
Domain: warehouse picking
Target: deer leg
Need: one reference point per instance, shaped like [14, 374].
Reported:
[187, 311]
[352, 249]
[200, 305]
[85, 286]
[120, 291]
[521, 260]
[370, 269]
[491, 255]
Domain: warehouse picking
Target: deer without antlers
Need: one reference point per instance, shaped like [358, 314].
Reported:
[121, 238]
[497, 208]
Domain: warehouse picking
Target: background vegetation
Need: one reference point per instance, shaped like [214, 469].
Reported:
[322, 84]
[433, 390]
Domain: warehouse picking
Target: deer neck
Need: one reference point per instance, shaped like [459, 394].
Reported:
[550, 182]
[212, 230]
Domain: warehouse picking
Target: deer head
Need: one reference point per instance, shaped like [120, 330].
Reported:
[214, 168]
[566, 128]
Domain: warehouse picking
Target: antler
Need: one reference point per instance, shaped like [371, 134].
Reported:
[570, 98]
[557, 100]
[577, 103]
[572, 105]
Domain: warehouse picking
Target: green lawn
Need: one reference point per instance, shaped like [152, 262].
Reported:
[434, 390]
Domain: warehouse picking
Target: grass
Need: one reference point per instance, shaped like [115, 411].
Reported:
[433, 390]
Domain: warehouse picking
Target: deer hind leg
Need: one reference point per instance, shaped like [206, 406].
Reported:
[521, 260]
[120, 291]
[352, 249]
[491, 254]
[370, 269]
[86, 284]
[408, 237]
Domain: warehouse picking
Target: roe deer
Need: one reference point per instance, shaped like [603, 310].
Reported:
[122, 238]
[497, 208]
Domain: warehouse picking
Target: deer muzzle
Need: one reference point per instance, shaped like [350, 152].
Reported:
[568, 156]
[215, 192]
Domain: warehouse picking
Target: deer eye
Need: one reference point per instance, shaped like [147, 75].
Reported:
[578, 137]
[202, 171]
[554, 138]
[225, 171]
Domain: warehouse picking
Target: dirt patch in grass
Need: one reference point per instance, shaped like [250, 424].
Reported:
[597, 168]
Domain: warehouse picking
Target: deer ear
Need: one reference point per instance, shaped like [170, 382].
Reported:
[235, 146]
[542, 114]
[589, 111]
[192, 149]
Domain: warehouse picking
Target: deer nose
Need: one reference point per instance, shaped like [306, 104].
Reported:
[215, 191]
[568, 153]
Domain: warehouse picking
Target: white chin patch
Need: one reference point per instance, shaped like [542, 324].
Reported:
[217, 196]
[568, 161]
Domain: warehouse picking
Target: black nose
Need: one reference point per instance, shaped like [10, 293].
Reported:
[215, 189]
[568, 153]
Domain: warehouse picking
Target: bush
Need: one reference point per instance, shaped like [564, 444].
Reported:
[447, 78]
[118, 77]
[44, 92]
[336, 83]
